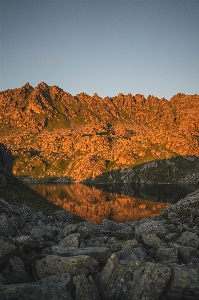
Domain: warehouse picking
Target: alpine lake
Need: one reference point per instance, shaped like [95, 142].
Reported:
[120, 203]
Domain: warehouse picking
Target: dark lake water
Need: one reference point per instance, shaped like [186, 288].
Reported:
[120, 203]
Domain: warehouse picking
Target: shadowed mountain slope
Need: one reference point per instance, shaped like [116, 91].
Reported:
[176, 170]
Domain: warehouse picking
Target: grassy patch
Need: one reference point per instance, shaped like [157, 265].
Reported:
[58, 122]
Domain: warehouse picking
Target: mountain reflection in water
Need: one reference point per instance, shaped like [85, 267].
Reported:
[95, 204]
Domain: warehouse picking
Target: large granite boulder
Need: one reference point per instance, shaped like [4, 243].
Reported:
[75, 265]
[184, 283]
[136, 280]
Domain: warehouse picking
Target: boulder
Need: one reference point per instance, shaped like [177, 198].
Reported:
[159, 228]
[7, 248]
[48, 233]
[102, 278]
[36, 244]
[188, 255]
[57, 287]
[72, 240]
[85, 288]
[111, 225]
[141, 253]
[89, 230]
[100, 241]
[75, 265]
[101, 254]
[150, 281]
[137, 281]
[189, 239]
[67, 230]
[129, 258]
[62, 216]
[7, 227]
[152, 241]
[184, 283]
[121, 231]
[21, 240]
[166, 255]
[15, 271]
[136, 254]
[184, 212]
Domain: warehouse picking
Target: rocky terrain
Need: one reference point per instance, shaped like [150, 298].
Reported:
[53, 254]
[54, 134]
[176, 170]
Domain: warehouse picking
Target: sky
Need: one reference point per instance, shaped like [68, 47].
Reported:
[148, 47]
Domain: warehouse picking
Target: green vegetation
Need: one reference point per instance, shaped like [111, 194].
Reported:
[110, 166]
[4, 128]
[58, 121]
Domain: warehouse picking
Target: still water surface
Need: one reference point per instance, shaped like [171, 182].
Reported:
[120, 203]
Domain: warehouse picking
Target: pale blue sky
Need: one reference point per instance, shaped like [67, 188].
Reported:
[101, 46]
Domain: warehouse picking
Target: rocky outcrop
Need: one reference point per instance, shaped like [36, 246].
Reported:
[181, 170]
[52, 256]
[6, 164]
[6, 160]
[53, 134]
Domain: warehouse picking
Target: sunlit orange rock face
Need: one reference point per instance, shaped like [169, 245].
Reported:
[52, 133]
[95, 205]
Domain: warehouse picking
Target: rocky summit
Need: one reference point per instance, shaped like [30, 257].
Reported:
[54, 134]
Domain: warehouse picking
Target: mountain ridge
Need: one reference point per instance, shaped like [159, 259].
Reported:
[52, 133]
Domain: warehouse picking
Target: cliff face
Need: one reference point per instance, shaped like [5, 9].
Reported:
[52, 133]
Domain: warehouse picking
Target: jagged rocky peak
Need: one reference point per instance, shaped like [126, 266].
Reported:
[27, 86]
[42, 86]
[56, 89]
[187, 101]
[83, 95]
[96, 96]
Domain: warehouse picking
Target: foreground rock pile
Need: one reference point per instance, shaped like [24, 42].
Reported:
[53, 257]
